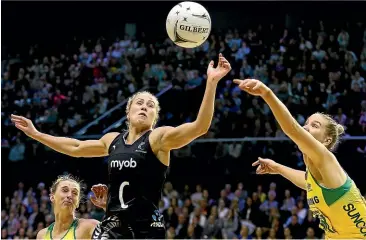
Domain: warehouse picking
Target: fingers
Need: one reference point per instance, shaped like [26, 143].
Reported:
[262, 160]
[21, 127]
[257, 85]
[226, 65]
[223, 62]
[20, 122]
[104, 189]
[260, 170]
[211, 64]
[249, 83]
[99, 190]
[24, 124]
[16, 117]
[94, 201]
[237, 81]
[244, 83]
[96, 190]
[17, 120]
[256, 163]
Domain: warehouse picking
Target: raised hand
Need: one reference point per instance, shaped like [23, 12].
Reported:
[265, 166]
[253, 87]
[24, 124]
[223, 67]
[100, 195]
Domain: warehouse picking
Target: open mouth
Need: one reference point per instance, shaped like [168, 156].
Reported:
[143, 114]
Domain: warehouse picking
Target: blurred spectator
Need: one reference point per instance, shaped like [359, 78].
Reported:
[288, 202]
[17, 151]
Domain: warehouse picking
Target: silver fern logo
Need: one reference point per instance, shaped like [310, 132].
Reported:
[157, 220]
[102, 229]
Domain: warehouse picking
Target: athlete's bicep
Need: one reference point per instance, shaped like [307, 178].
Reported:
[177, 137]
[95, 148]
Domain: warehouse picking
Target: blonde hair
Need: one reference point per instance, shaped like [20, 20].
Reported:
[133, 97]
[333, 129]
[66, 177]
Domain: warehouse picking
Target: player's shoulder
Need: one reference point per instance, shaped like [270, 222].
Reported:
[42, 233]
[88, 223]
[158, 133]
[108, 138]
[161, 130]
[87, 227]
[156, 137]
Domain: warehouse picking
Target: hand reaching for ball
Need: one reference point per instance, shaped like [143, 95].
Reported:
[223, 68]
[253, 87]
[24, 124]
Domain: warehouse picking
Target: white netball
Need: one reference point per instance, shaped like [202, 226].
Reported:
[188, 24]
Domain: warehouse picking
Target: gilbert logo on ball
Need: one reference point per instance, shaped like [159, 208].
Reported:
[188, 24]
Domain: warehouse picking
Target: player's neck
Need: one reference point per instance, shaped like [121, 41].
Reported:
[135, 133]
[63, 221]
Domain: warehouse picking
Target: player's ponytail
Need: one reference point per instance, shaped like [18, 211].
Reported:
[340, 130]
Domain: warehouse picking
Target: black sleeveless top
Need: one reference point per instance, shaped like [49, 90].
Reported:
[135, 178]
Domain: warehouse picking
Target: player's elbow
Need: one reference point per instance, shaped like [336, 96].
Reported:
[202, 132]
[75, 152]
[200, 129]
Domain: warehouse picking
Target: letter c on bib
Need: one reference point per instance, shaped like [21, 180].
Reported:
[123, 205]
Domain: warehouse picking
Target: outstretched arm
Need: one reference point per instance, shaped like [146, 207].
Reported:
[311, 147]
[268, 166]
[177, 137]
[320, 157]
[68, 146]
[297, 177]
[315, 150]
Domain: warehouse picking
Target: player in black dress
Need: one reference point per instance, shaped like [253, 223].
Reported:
[138, 159]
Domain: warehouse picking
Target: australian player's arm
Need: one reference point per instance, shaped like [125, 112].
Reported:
[77, 148]
[88, 226]
[297, 177]
[177, 137]
[41, 234]
[318, 154]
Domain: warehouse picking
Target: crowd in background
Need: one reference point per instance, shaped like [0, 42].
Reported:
[189, 214]
[312, 68]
